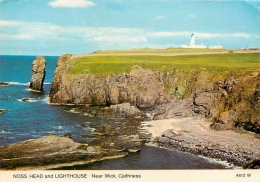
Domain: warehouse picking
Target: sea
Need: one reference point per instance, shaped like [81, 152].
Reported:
[37, 118]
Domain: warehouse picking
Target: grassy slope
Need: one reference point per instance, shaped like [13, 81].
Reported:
[105, 65]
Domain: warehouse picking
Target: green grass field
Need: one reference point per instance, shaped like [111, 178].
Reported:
[106, 65]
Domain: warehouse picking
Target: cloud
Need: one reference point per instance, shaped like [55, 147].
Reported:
[22, 36]
[212, 35]
[120, 38]
[169, 34]
[198, 34]
[14, 30]
[106, 34]
[71, 3]
[81, 38]
[159, 18]
[9, 23]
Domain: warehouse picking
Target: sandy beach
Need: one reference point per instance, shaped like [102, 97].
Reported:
[194, 135]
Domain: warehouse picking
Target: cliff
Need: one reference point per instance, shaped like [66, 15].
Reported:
[141, 87]
[38, 73]
[227, 95]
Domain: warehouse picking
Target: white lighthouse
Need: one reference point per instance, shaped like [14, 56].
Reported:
[192, 40]
[192, 44]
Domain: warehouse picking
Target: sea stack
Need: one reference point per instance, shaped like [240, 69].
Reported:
[38, 73]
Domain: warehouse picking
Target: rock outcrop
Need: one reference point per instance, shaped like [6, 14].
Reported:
[124, 110]
[2, 111]
[238, 105]
[4, 84]
[38, 74]
[141, 87]
[52, 152]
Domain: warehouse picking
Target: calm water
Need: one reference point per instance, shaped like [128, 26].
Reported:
[27, 120]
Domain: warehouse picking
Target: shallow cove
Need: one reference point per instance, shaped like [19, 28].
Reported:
[150, 157]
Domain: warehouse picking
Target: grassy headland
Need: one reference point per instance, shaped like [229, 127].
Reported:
[116, 64]
[210, 65]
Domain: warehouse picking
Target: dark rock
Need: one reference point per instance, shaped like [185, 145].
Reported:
[25, 99]
[68, 135]
[124, 110]
[253, 164]
[38, 74]
[248, 126]
[4, 83]
[2, 111]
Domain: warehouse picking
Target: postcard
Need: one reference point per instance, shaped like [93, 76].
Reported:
[129, 90]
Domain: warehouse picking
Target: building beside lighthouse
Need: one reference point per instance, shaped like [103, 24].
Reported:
[192, 44]
[216, 47]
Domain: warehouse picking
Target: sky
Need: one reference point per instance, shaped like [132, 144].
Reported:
[57, 27]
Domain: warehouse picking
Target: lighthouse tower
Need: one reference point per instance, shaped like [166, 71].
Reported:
[192, 40]
[192, 44]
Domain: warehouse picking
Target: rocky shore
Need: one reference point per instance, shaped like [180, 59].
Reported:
[111, 138]
[194, 135]
[51, 152]
[117, 136]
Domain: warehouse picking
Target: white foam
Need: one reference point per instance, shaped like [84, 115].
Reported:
[22, 134]
[89, 129]
[224, 163]
[29, 100]
[47, 83]
[74, 111]
[4, 132]
[51, 132]
[58, 127]
[18, 83]
[31, 90]
[46, 99]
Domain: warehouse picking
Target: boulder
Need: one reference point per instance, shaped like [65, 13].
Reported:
[2, 111]
[4, 83]
[25, 99]
[38, 74]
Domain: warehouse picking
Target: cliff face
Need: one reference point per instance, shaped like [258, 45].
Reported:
[226, 101]
[38, 73]
[239, 104]
[142, 88]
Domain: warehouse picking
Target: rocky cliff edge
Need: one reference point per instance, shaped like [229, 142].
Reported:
[229, 102]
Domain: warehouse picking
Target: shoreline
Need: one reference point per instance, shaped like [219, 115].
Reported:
[224, 163]
[191, 135]
[194, 136]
